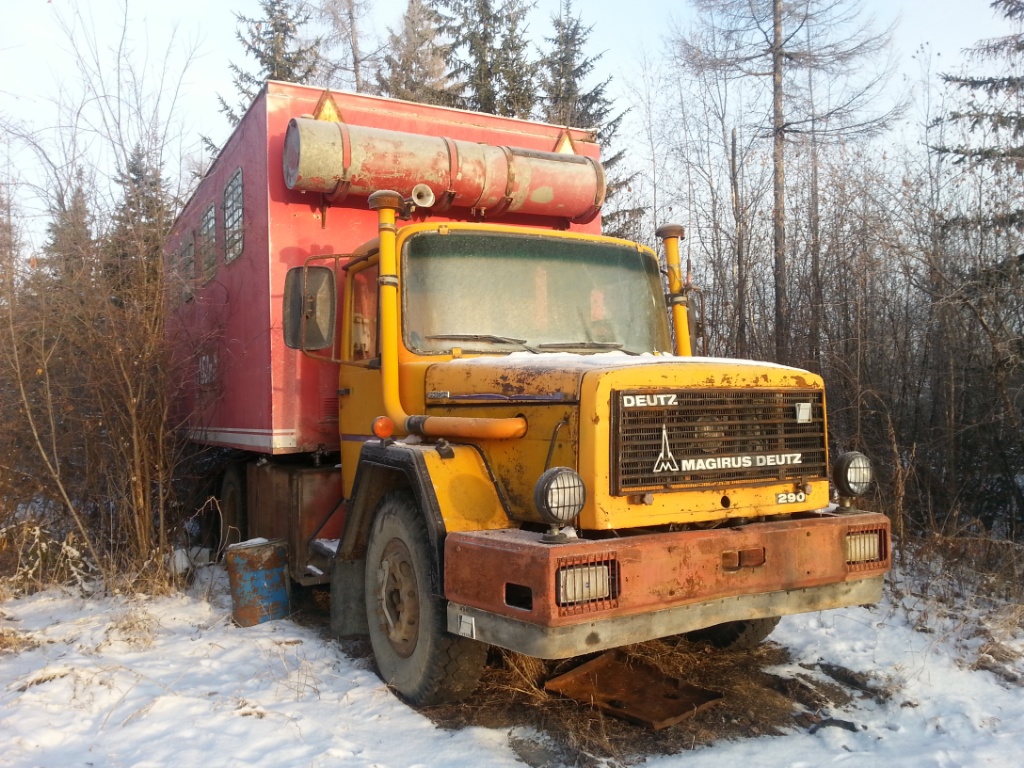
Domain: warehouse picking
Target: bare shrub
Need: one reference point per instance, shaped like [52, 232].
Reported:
[82, 361]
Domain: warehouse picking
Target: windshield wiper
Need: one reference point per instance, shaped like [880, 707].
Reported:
[487, 337]
[611, 345]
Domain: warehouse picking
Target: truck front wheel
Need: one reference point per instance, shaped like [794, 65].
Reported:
[415, 654]
[735, 635]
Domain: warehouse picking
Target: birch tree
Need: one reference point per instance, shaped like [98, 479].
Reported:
[773, 41]
[348, 53]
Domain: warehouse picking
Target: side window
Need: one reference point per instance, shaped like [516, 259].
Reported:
[187, 270]
[364, 314]
[208, 243]
[233, 233]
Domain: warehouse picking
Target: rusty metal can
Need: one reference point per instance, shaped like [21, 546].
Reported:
[258, 576]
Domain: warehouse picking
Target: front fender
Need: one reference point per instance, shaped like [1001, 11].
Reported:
[454, 491]
[452, 485]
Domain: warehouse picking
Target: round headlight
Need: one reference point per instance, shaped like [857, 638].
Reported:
[852, 474]
[559, 495]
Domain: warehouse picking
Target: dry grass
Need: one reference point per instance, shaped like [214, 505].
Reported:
[33, 559]
[546, 729]
[755, 703]
[43, 676]
[134, 626]
[968, 592]
[12, 641]
[976, 565]
[996, 655]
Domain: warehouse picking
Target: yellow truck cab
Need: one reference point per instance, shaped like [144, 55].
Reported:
[550, 473]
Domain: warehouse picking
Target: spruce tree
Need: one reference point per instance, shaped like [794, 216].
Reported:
[515, 68]
[415, 66]
[134, 244]
[70, 250]
[563, 72]
[471, 27]
[488, 54]
[566, 100]
[993, 117]
[280, 53]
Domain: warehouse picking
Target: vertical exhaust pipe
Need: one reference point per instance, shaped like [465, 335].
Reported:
[670, 235]
[387, 204]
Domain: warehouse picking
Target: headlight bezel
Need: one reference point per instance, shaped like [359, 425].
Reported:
[852, 474]
[570, 494]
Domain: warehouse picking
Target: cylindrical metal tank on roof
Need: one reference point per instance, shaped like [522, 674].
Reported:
[338, 159]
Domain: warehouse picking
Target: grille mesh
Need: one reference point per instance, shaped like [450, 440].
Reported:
[715, 437]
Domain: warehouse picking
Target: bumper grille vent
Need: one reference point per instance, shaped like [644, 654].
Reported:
[866, 548]
[692, 439]
[587, 584]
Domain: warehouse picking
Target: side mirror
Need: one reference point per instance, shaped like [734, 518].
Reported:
[310, 304]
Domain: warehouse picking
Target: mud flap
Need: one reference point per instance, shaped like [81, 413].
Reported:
[348, 607]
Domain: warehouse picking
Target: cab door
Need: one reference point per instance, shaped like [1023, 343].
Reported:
[360, 394]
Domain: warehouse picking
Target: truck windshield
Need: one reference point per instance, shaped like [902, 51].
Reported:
[487, 292]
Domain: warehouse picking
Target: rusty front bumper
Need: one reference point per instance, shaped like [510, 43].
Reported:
[510, 589]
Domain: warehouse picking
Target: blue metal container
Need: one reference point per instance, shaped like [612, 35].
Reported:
[258, 575]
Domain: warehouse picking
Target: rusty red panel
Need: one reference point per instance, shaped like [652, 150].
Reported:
[297, 503]
[654, 571]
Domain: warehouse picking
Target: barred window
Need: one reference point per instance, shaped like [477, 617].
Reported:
[187, 270]
[208, 243]
[233, 238]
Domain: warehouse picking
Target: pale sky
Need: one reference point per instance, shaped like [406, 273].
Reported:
[33, 61]
[36, 62]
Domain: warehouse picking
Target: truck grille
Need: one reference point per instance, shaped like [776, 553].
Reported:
[685, 439]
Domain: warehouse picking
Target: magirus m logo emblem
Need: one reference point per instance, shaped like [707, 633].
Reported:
[666, 461]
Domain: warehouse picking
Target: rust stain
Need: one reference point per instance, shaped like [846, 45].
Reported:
[797, 554]
[694, 585]
[663, 593]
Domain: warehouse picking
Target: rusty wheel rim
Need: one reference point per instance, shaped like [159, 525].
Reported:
[398, 597]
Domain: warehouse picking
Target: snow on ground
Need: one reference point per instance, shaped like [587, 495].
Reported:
[171, 681]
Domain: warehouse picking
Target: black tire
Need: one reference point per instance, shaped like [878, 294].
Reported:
[415, 654]
[226, 522]
[735, 635]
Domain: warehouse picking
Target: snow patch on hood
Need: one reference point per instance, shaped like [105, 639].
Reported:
[619, 359]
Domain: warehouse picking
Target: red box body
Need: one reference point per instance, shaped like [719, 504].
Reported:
[236, 384]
